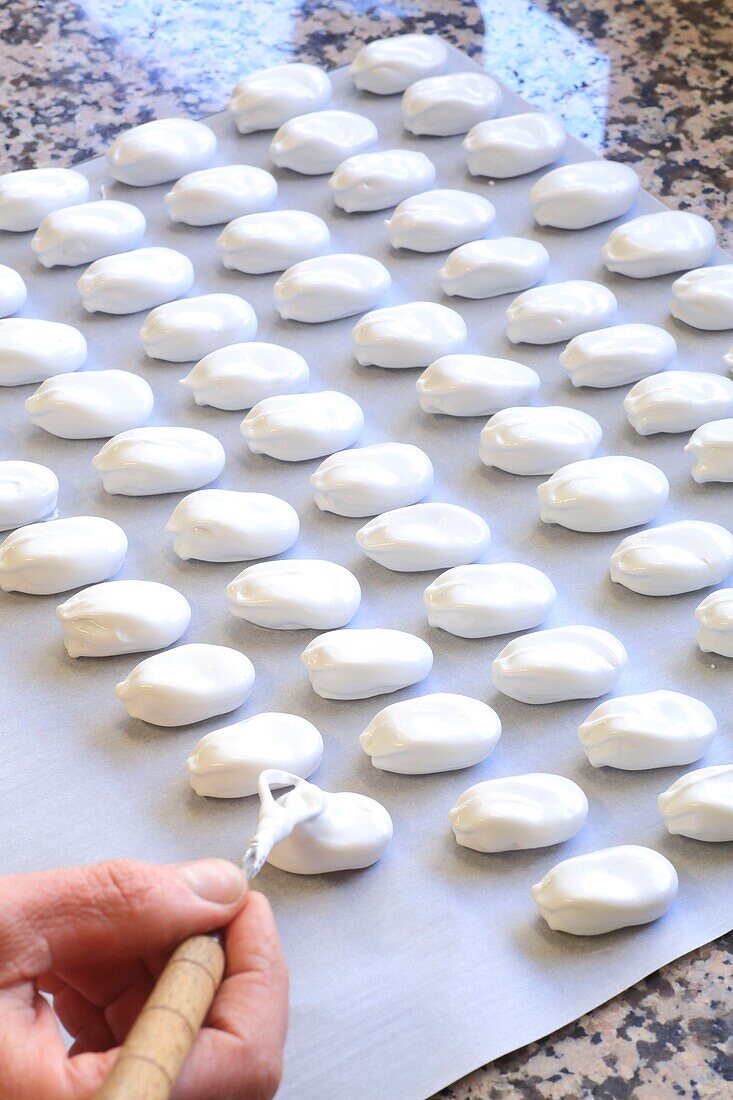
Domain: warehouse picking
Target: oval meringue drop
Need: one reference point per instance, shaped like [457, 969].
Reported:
[603, 494]
[328, 288]
[146, 461]
[160, 151]
[475, 385]
[44, 558]
[357, 664]
[194, 327]
[704, 298]
[136, 280]
[90, 404]
[577, 196]
[374, 181]
[517, 812]
[316, 143]
[700, 805]
[295, 595]
[13, 292]
[673, 558]
[32, 350]
[711, 447]
[187, 684]
[297, 427]
[123, 617]
[602, 891]
[618, 355]
[564, 662]
[390, 65]
[367, 480]
[559, 311]
[437, 220]
[83, 233]
[513, 146]
[239, 375]
[260, 243]
[482, 601]
[28, 493]
[715, 616]
[266, 99]
[413, 334]
[450, 104]
[424, 536]
[26, 197]
[678, 401]
[216, 195]
[538, 439]
[486, 269]
[351, 832]
[659, 244]
[224, 525]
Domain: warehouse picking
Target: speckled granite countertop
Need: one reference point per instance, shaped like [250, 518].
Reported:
[647, 83]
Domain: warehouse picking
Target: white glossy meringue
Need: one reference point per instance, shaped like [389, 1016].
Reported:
[136, 280]
[123, 617]
[715, 616]
[374, 181]
[700, 805]
[518, 812]
[565, 662]
[678, 401]
[259, 243]
[513, 146]
[390, 65]
[711, 447]
[475, 385]
[160, 151]
[297, 427]
[351, 832]
[673, 558]
[224, 525]
[450, 104]
[424, 536]
[603, 494]
[538, 439]
[217, 195]
[266, 99]
[580, 195]
[486, 269]
[316, 143]
[357, 664]
[28, 493]
[227, 762]
[194, 327]
[13, 292]
[32, 350]
[437, 220]
[90, 404]
[187, 684]
[658, 244]
[704, 298]
[657, 729]
[364, 481]
[81, 234]
[482, 601]
[431, 733]
[559, 311]
[60, 554]
[601, 891]
[26, 197]
[146, 461]
[292, 594]
[413, 334]
[618, 355]
[328, 288]
[239, 375]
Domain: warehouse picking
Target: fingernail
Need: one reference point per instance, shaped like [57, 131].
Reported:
[215, 880]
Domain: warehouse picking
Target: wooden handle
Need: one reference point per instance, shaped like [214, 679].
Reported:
[155, 1049]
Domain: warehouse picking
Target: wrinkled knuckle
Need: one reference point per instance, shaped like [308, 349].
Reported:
[123, 883]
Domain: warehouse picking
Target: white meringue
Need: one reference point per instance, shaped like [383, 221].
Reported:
[618, 355]
[32, 350]
[364, 481]
[482, 601]
[146, 461]
[424, 536]
[475, 385]
[580, 195]
[704, 298]
[266, 99]
[678, 401]
[374, 181]
[437, 220]
[673, 558]
[657, 729]
[658, 244]
[450, 104]
[518, 812]
[136, 280]
[356, 664]
[486, 269]
[700, 804]
[216, 195]
[224, 525]
[83, 233]
[351, 832]
[538, 439]
[390, 65]
[60, 554]
[316, 143]
[413, 334]
[28, 493]
[194, 327]
[295, 595]
[715, 616]
[711, 447]
[296, 427]
[565, 662]
[239, 375]
[26, 197]
[259, 243]
[513, 146]
[160, 151]
[603, 494]
[90, 404]
[13, 292]
[559, 311]
[328, 288]
[123, 617]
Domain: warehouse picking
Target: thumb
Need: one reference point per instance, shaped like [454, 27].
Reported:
[116, 910]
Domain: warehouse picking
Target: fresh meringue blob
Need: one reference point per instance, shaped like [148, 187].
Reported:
[28, 492]
[91, 404]
[711, 447]
[390, 65]
[475, 385]
[239, 375]
[316, 143]
[576, 196]
[357, 664]
[412, 334]
[216, 195]
[26, 197]
[146, 461]
[678, 401]
[564, 662]
[559, 311]
[364, 481]
[603, 494]
[60, 554]
[673, 558]
[32, 350]
[136, 280]
[486, 269]
[657, 729]
[437, 220]
[260, 243]
[618, 355]
[513, 146]
[518, 812]
[704, 298]
[266, 99]
[227, 762]
[424, 536]
[224, 525]
[81, 234]
[538, 439]
[299, 426]
[194, 327]
[602, 891]
[123, 617]
[295, 595]
[431, 733]
[328, 288]
[700, 804]
[160, 151]
[13, 292]
[187, 684]
[659, 244]
[450, 104]
[482, 601]
[715, 616]
[374, 181]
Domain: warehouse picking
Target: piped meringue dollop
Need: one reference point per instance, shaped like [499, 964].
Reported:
[475, 385]
[482, 601]
[295, 595]
[678, 401]
[136, 280]
[437, 220]
[618, 355]
[357, 664]
[316, 143]
[603, 494]
[26, 197]
[424, 536]
[365, 481]
[91, 404]
[559, 311]
[32, 350]
[327, 288]
[390, 65]
[580, 195]
[300, 426]
[513, 146]
[711, 447]
[565, 662]
[216, 195]
[704, 298]
[160, 151]
[715, 616]
[700, 804]
[538, 439]
[658, 244]
[224, 525]
[123, 617]
[13, 292]
[374, 181]
[239, 375]
[146, 461]
[486, 269]
[259, 243]
[518, 812]
[28, 493]
[673, 558]
[450, 104]
[413, 334]
[351, 832]
[266, 99]
[83, 233]
[194, 327]
[60, 554]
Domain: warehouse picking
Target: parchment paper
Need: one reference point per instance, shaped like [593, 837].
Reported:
[408, 975]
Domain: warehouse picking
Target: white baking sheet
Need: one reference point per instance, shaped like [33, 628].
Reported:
[406, 976]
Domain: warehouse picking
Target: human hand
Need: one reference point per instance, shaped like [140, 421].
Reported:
[96, 938]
